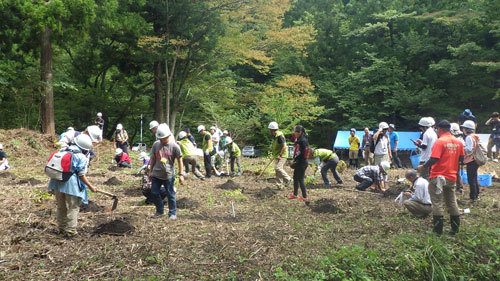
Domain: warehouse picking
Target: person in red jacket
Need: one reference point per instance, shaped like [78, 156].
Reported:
[122, 159]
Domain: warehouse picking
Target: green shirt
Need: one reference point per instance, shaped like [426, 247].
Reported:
[187, 147]
[323, 154]
[234, 150]
[276, 147]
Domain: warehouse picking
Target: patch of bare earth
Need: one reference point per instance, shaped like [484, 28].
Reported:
[206, 241]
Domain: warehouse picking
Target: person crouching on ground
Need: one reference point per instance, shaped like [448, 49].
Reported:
[69, 193]
[4, 163]
[419, 202]
[300, 164]
[162, 173]
[369, 175]
[122, 159]
[188, 152]
[446, 155]
[234, 155]
[329, 160]
[279, 152]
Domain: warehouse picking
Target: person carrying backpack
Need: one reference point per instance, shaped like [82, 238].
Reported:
[69, 193]
[471, 145]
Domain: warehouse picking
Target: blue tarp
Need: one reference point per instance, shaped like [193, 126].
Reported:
[405, 143]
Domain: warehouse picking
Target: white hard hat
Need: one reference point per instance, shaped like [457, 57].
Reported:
[143, 156]
[383, 125]
[385, 165]
[201, 128]
[424, 122]
[119, 126]
[225, 132]
[99, 114]
[455, 128]
[94, 132]
[469, 124]
[273, 126]
[212, 128]
[1, 146]
[229, 140]
[83, 141]
[182, 134]
[70, 129]
[431, 121]
[153, 124]
[163, 131]
[118, 151]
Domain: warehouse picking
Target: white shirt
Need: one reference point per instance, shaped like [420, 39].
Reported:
[381, 147]
[421, 193]
[469, 144]
[429, 138]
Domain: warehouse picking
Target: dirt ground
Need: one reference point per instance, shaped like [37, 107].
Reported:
[206, 242]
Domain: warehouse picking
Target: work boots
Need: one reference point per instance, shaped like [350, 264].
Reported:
[455, 224]
[438, 224]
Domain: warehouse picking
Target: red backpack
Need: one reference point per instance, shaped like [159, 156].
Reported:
[59, 165]
[309, 152]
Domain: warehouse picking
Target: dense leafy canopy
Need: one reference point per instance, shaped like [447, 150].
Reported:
[326, 64]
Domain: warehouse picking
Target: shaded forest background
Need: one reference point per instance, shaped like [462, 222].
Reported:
[325, 64]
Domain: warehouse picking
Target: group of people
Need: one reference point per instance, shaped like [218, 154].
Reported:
[442, 153]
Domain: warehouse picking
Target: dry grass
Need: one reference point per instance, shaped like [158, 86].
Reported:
[206, 242]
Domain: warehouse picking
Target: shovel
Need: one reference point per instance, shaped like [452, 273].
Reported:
[115, 198]
[272, 160]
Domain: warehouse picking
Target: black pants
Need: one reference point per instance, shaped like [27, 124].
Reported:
[208, 163]
[124, 164]
[298, 179]
[332, 166]
[364, 182]
[395, 160]
[472, 178]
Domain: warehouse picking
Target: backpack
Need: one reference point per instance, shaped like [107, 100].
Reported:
[373, 143]
[479, 155]
[58, 166]
[309, 153]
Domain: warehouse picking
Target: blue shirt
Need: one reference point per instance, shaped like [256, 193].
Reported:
[393, 137]
[72, 186]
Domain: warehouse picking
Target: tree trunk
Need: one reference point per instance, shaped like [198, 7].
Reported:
[46, 88]
[168, 80]
[173, 116]
[159, 115]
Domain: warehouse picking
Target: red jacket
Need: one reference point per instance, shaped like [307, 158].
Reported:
[123, 158]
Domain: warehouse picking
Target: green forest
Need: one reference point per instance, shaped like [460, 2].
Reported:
[324, 64]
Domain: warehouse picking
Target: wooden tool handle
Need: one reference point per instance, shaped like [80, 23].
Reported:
[106, 193]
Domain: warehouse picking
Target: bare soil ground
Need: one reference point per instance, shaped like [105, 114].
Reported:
[206, 242]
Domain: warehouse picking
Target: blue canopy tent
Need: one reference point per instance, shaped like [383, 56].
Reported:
[405, 143]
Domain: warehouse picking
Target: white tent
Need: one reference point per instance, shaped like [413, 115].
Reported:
[483, 139]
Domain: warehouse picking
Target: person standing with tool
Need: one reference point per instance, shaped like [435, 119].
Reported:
[279, 152]
[69, 193]
[300, 164]
[163, 155]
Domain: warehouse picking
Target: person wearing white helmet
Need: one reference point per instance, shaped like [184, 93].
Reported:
[144, 157]
[225, 134]
[234, 155]
[188, 152]
[279, 153]
[208, 150]
[4, 163]
[153, 125]
[69, 193]
[457, 133]
[162, 173]
[120, 138]
[471, 145]
[447, 153]
[100, 123]
[372, 175]
[426, 143]
[122, 159]
[67, 137]
[382, 150]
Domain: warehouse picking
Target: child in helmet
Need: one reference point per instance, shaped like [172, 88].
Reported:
[122, 159]
[4, 163]
[234, 155]
[144, 157]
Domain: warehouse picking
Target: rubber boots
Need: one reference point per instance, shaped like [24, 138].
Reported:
[438, 224]
[455, 224]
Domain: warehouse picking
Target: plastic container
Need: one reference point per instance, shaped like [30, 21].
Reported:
[415, 159]
[484, 180]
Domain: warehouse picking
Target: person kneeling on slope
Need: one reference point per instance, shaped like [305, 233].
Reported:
[369, 175]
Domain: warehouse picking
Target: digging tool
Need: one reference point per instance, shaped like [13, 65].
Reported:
[115, 198]
[272, 160]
